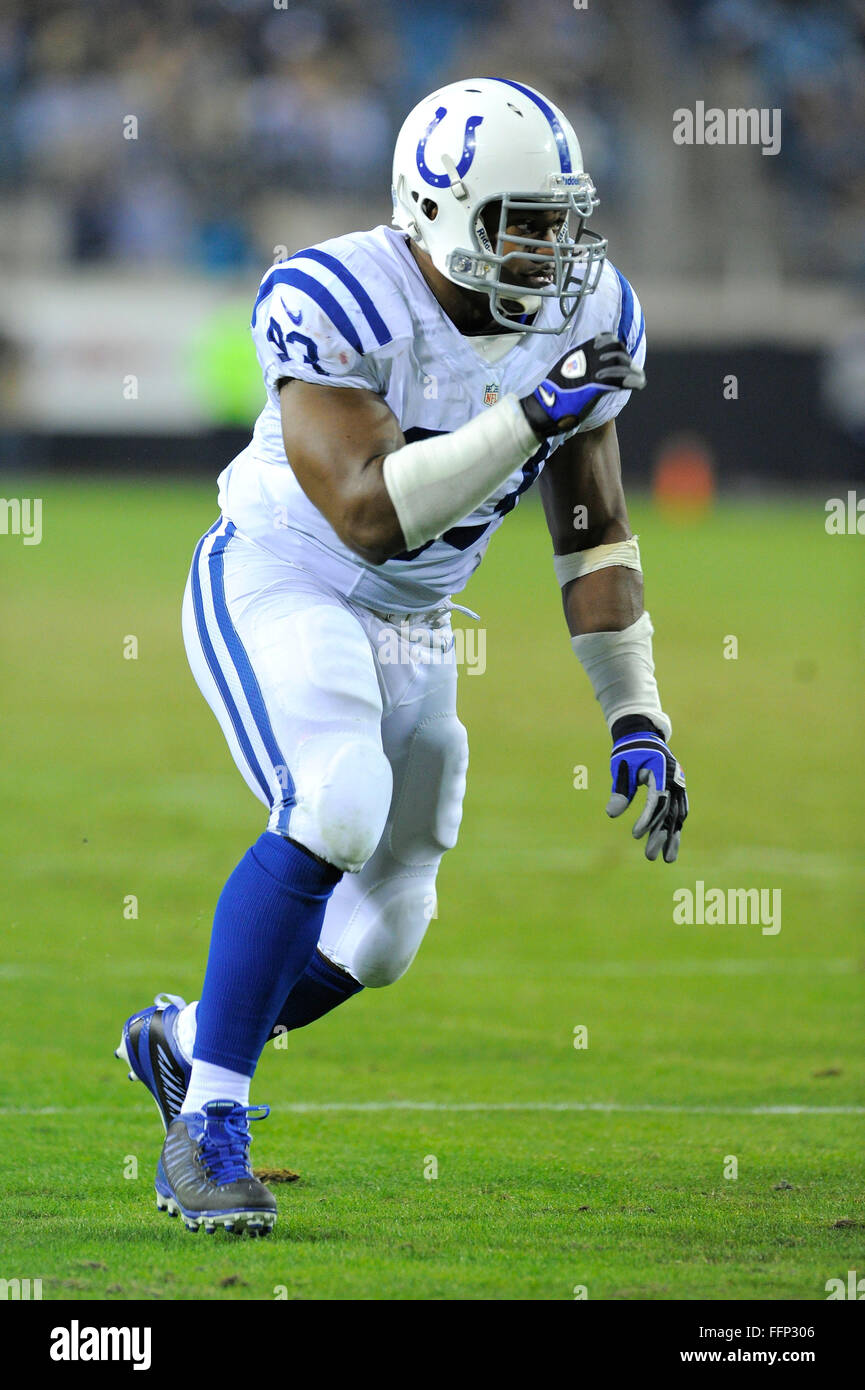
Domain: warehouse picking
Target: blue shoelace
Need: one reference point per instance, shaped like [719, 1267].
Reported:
[224, 1145]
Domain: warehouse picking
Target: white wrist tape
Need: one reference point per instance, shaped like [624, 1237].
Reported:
[599, 557]
[434, 483]
[622, 672]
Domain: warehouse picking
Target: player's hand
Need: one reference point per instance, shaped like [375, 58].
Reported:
[577, 382]
[641, 758]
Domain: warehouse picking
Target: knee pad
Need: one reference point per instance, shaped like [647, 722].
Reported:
[385, 930]
[427, 818]
[343, 788]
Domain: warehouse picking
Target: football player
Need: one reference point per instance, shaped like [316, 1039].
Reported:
[420, 378]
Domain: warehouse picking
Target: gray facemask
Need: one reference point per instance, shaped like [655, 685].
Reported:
[575, 259]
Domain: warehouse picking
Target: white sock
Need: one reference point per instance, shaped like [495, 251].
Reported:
[185, 1029]
[215, 1083]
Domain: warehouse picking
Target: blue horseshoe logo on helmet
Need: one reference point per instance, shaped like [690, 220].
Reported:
[468, 154]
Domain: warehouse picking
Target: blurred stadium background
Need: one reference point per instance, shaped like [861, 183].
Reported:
[133, 248]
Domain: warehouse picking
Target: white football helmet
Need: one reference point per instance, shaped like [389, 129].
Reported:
[489, 140]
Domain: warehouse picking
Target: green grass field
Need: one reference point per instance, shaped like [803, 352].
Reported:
[558, 1167]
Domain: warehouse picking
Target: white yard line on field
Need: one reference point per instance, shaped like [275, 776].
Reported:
[480, 1107]
[553, 1106]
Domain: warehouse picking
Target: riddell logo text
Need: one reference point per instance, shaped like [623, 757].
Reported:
[76, 1343]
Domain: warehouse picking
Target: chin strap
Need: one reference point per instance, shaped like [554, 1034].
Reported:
[528, 303]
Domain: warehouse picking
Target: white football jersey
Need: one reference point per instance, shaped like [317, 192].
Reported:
[357, 312]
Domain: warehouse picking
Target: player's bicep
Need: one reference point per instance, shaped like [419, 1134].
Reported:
[335, 439]
[330, 432]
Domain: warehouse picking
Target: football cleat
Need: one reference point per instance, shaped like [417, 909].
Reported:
[150, 1049]
[204, 1175]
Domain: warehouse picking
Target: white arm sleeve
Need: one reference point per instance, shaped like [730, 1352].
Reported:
[622, 672]
[434, 483]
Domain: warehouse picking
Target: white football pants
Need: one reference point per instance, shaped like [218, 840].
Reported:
[343, 722]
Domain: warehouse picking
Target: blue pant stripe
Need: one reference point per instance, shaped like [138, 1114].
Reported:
[216, 671]
[242, 665]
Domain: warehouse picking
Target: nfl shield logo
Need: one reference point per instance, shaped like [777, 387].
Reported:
[491, 393]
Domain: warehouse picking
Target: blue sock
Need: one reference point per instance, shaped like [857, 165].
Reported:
[320, 988]
[265, 929]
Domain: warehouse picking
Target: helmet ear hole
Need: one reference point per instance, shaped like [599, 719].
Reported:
[429, 209]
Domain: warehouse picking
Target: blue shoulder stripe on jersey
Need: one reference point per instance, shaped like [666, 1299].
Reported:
[373, 317]
[323, 298]
[626, 317]
[555, 123]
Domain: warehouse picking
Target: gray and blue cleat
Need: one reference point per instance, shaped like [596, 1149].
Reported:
[204, 1174]
[150, 1048]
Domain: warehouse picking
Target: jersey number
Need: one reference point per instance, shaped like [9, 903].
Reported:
[276, 336]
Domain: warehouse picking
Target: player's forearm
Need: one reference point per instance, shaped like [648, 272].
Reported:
[611, 635]
[401, 499]
[395, 499]
[605, 600]
[435, 483]
[365, 519]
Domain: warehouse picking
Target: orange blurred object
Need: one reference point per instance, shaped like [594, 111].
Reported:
[683, 483]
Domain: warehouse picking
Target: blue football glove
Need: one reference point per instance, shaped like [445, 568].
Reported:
[577, 382]
[642, 758]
